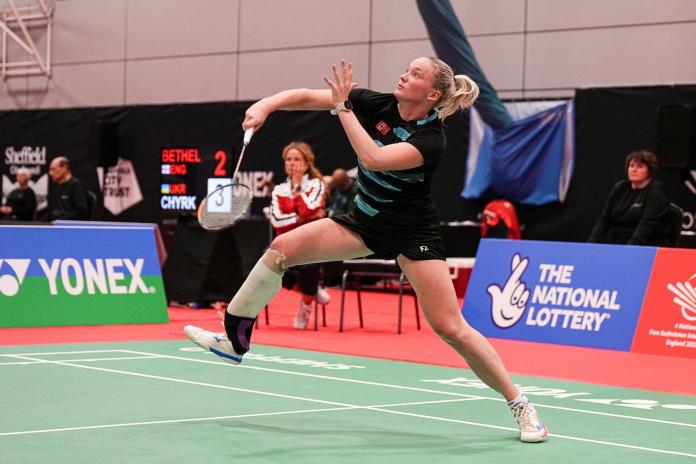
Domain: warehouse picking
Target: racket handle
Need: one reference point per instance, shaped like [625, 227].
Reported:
[247, 135]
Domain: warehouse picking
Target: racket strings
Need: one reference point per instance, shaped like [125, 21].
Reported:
[227, 204]
[212, 217]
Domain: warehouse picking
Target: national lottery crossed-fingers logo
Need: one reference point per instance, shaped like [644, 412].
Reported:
[12, 273]
[509, 302]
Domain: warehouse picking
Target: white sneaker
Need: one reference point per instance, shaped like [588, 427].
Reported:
[302, 316]
[532, 430]
[323, 297]
[216, 343]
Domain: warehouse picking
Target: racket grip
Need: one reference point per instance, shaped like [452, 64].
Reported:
[247, 135]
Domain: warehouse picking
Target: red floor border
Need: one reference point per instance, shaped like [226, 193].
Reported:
[379, 340]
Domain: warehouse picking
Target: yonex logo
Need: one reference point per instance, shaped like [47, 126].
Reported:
[9, 284]
[685, 296]
[113, 276]
[105, 276]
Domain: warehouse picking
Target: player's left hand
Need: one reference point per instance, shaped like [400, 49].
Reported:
[342, 83]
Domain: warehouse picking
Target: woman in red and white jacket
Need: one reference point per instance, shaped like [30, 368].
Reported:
[298, 200]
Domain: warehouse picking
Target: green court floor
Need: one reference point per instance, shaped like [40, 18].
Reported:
[169, 402]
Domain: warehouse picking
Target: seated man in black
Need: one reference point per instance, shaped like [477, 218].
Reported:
[637, 210]
[67, 195]
[21, 202]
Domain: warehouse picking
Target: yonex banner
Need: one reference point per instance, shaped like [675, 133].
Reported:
[76, 275]
[565, 293]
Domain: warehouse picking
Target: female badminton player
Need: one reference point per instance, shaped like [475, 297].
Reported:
[398, 140]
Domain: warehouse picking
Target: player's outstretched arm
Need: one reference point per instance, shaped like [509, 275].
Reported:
[295, 99]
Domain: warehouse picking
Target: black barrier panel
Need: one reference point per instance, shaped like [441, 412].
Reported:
[676, 135]
[202, 266]
[609, 123]
[205, 266]
[102, 142]
[98, 136]
[33, 138]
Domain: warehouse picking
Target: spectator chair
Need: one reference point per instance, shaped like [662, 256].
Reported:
[381, 268]
[497, 212]
[676, 215]
[316, 309]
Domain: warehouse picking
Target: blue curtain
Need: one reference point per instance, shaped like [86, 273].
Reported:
[530, 161]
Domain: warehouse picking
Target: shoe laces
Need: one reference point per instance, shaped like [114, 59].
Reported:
[526, 415]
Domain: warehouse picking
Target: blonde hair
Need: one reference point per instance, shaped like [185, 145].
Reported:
[23, 171]
[456, 92]
[308, 155]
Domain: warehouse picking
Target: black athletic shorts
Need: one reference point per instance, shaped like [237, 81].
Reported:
[416, 243]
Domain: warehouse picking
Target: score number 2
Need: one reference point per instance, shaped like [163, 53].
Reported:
[221, 157]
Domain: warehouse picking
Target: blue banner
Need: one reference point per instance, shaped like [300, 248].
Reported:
[50, 243]
[79, 275]
[529, 161]
[565, 293]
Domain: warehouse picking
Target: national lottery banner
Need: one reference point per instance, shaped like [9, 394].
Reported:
[565, 293]
[77, 275]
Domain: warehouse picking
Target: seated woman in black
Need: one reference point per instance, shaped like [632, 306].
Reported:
[637, 210]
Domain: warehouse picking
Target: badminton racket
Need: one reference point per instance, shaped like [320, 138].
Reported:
[226, 204]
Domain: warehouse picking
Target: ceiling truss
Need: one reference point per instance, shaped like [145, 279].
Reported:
[26, 27]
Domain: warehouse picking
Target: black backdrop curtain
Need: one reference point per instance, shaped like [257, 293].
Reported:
[144, 130]
[609, 123]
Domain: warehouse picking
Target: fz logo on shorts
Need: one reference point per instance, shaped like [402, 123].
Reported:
[424, 248]
[509, 302]
[9, 284]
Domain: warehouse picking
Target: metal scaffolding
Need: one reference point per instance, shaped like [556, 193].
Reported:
[26, 37]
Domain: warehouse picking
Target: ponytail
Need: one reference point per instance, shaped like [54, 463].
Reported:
[456, 92]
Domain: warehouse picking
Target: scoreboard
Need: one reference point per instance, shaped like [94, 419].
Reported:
[187, 173]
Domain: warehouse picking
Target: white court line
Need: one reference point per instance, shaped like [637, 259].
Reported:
[47, 353]
[78, 360]
[424, 390]
[68, 352]
[365, 382]
[346, 405]
[190, 382]
[555, 435]
[239, 416]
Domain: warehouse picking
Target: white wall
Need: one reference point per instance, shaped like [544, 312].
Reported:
[122, 52]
